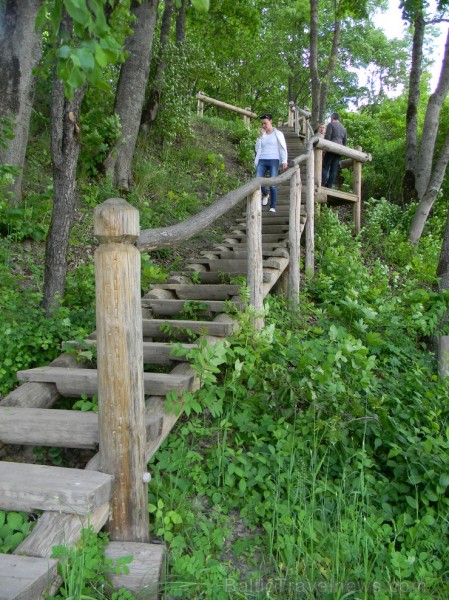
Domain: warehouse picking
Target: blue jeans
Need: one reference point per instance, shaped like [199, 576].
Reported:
[271, 165]
[331, 163]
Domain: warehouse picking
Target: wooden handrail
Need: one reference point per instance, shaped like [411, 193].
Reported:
[241, 111]
[323, 144]
[166, 237]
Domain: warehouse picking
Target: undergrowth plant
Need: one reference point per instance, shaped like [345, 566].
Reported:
[314, 461]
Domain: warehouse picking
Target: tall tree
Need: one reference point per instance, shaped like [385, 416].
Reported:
[426, 160]
[131, 87]
[84, 44]
[151, 107]
[20, 51]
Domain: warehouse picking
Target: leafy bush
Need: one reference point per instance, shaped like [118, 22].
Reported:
[14, 528]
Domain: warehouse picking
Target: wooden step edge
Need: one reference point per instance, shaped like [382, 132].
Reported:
[28, 488]
[26, 577]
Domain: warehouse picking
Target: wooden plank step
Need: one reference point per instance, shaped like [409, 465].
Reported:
[238, 246]
[154, 327]
[74, 382]
[145, 572]
[28, 488]
[231, 254]
[266, 228]
[26, 577]
[154, 353]
[174, 307]
[266, 237]
[212, 276]
[201, 291]
[222, 265]
[56, 428]
[335, 197]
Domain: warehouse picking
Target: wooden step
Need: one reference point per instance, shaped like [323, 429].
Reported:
[266, 237]
[175, 307]
[56, 428]
[220, 265]
[74, 382]
[28, 488]
[238, 246]
[26, 577]
[201, 291]
[177, 327]
[269, 228]
[215, 276]
[231, 254]
[154, 353]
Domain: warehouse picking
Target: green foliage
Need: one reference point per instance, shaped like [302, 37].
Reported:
[14, 528]
[100, 132]
[91, 46]
[85, 569]
[324, 471]
[21, 222]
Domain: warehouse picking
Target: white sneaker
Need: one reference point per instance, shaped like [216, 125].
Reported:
[272, 210]
[264, 200]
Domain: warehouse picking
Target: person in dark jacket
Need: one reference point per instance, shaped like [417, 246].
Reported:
[335, 132]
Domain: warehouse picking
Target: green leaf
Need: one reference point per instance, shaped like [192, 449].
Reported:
[79, 12]
[76, 78]
[411, 502]
[86, 59]
[101, 56]
[444, 479]
[64, 51]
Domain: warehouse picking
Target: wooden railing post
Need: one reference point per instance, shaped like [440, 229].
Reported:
[199, 106]
[310, 210]
[291, 115]
[318, 167]
[294, 275]
[246, 118]
[255, 268]
[120, 367]
[357, 189]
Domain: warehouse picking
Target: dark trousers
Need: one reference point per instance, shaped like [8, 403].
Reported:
[331, 163]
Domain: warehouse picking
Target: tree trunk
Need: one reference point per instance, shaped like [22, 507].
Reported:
[443, 263]
[329, 71]
[428, 199]
[180, 33]
[411, 127]
[423, 169]
[65, 149]
[131, 86]
[429, 173]
[314, 77]
[151, 107]
[20, 51]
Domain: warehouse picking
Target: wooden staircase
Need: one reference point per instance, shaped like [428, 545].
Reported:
[210, 285]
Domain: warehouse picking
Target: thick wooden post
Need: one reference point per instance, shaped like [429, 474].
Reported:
[120, 367]
[246, 118]
[199, 106]
[357, 189]
[294, 275]
[310, 222]
[318, 167]
[254, 277]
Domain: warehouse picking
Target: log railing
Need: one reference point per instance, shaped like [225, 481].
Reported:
[245, 112]
[119, 337]
[119, 328]
[355, 158]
